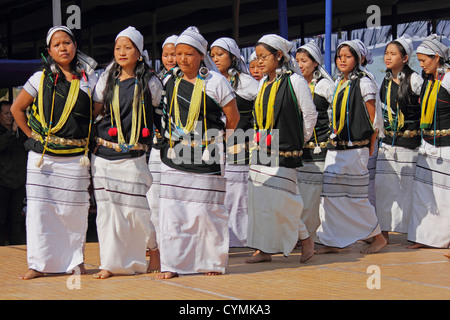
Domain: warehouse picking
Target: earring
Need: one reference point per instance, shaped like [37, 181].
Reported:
[401, 76]
[203, 72]
[317, 74]
[232, 72]
[388, 75]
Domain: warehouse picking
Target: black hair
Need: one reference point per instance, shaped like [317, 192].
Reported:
[143, 74]
[5, 103]
[404, 92]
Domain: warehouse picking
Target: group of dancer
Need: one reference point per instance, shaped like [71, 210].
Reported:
[177, 183]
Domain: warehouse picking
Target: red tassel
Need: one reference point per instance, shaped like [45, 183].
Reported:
[145, 132]
[268, 140]
[112, 131]
[257, 137]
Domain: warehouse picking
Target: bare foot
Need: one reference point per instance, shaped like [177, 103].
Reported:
[307, 250]
[326, 249]
[259, 256]
[167, 275]
[376, 245]
[213, 273]
[82, 269]
[154, 265]
[416, 246]
[103, 274]
[447, 255]
[386, 236]
[31, 274]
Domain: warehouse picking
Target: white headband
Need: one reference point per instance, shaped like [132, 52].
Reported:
[55, 29]
[192, 37]
[364, 51]
[406, 43]
[135, 36]
[279, 43]
[170, 40]
[432, 46]
[314, 51]
[354, 46]
[231, 46]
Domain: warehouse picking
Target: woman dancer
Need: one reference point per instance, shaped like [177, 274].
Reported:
[345, 211]
[226, 55]
[127, 89]
[193, 219]
[430, 219]
[398, 151]
[310, 175]
[58, 128]
[285, 116]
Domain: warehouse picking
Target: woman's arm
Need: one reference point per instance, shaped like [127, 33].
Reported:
[232, 114]
[370, 105]
[19, 109]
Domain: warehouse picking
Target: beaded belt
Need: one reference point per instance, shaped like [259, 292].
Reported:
[60, 141]
[437, 133]
[404, 134]
[312, 145]
[286, 154]
[237, 148]
[119, 148]
[195, 143]
[345, 143]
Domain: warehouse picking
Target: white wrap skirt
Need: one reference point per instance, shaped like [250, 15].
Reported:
[275, 206]
[123, 214]
[430, 219]
[394, 186]
[193, 222]
[345, 211]
[310, 183]
[57, 213]
[236, 202]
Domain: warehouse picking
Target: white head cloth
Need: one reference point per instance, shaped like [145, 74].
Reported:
[364, 51]
[86, 62]
[192, 37]
[433, 46]
[354, 46]
[231, 46]
[285, 46]
[407, 43]
[54, 29]
[137, 38]
[314, 50]
[170, 40]
[252, 57]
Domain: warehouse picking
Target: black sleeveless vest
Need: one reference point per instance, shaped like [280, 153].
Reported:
[357, 122]
[288, 122]
[194, 154]
[411, 114]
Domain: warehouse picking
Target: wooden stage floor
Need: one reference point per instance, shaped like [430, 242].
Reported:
[395, 273]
